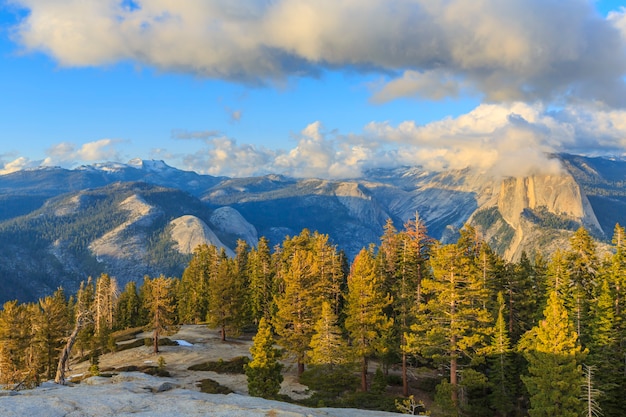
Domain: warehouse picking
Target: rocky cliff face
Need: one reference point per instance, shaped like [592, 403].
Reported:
[531, 206]
[188, 232]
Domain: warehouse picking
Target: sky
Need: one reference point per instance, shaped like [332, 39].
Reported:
[311, 88]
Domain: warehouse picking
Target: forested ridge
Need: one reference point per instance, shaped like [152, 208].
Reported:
[453, 324]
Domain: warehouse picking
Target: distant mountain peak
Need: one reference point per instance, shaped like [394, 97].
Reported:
[149, 165]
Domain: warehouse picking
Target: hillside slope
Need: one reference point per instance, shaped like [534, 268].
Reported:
[60, 226]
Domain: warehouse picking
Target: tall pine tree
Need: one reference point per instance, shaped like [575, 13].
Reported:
[365, 317]
[554, 358]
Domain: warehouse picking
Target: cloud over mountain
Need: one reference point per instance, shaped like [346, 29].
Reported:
[504, 51]
[502, 139]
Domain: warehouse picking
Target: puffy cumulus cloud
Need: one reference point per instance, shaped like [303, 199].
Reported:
[223, 156]
[317, 153]
[504, 50]
[618, 19]
[504, 140]
[514, 139]
[17, 164]
[507, 140]
[67, 153]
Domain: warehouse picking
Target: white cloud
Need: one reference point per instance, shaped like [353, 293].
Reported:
[504, 50]
[15, 165]
[224, 157]
[434, 85]
[501, 139]
[67, 153]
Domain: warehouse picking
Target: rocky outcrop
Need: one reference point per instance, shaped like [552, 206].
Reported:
[557, 196]
[125, 246]
[188, 232]
[228, 220]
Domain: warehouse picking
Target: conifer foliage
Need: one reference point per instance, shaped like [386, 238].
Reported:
[264, 370]
[507, 338]
[554, 364]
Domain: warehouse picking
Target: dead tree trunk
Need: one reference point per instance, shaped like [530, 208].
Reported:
[66, 352]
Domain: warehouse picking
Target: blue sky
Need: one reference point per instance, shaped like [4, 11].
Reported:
[311, 87]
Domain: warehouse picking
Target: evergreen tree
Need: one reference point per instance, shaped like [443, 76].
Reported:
[604, 348]
[128, 306]
[583, 269]
[193, 297]
[554, 360]
[50, 319]
[454, 323]
[365, 317]
[105, 305]
[261, 274]
[14, 342]
[105, 302]
[501, 370]
[84, 309]
[406, 289]
[327, 344]
[264, 371]
[226, 298]
[329, 278]
[295, 318]
[525, 297]
[160, 302]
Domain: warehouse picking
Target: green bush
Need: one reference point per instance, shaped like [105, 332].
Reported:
[329, 382]
[233, 366]
[210, 386]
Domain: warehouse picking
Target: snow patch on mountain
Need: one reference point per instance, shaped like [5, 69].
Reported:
[149, 165]
[189, 232]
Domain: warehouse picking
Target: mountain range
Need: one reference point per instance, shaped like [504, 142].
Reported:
[59, 226]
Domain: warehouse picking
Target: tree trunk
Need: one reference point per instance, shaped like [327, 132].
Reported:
[364, 375]
[300, 367]
[405, 378]
[65, 354]
[454, 396]
[156, 341]
[223, 332]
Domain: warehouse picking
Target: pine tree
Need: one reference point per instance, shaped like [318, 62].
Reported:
[193, 304]
[329, 278]
[295, 318]
[226, 298]
[327, 344]
[554, 360]
[105, 305]
[264, 371]
[128, 306]
[604, 348]
[14, 342]
[261, 274]
[105, 302]
[524, 291]
[501, 371]
[49, 320]
[454, 323]
[365, 317]
[161, 305]
[583, 269]
[413, 252]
